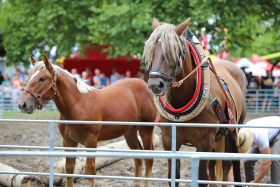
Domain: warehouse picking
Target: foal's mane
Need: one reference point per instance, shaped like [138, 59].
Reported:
[81, 85]
[170, 44]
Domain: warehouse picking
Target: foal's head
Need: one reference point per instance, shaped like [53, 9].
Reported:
[37, 90]
[164, 54]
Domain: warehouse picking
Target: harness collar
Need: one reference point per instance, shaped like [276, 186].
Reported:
[40, 95]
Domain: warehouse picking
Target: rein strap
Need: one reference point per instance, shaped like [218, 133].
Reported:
[180, 82]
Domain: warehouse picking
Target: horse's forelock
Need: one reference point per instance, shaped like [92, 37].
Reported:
[170, 43]
[39, 65]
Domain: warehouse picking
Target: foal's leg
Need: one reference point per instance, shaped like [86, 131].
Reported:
[91, 142]
[70, 163]
[146, 134]
[133, 143]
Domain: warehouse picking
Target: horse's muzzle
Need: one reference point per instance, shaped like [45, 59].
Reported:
[26, 107]
[158, 86]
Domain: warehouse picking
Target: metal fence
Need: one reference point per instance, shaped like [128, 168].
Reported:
[263, 100]
[9, 97]
[255, 100]
[173, 154]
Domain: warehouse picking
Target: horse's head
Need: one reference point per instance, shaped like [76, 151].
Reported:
[38, 89]
[164, 53]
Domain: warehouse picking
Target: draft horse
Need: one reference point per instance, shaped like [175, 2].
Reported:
[126, 100]
[170, 57]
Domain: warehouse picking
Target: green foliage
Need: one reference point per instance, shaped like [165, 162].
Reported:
[27, 25]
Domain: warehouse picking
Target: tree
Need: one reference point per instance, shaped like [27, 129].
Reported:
[124, 25]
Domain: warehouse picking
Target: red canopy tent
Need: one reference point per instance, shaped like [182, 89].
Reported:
[96, 59]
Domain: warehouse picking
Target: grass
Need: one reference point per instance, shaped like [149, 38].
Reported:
[36, 115]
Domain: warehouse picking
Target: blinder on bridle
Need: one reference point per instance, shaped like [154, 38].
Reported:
[166, 76]
[39, 96]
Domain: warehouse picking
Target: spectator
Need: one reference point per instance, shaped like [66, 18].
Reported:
[19, 73]
[85, 77]
[96, 79]
[75, 72]
[8, 90]
[263, 141]
[268, 82]
[17, 82]
[1, 77]
[115, 76]
[140, 75]
[252, 84]
[6, 81]
[103, 81]
[127, 74]
[26, 76]
[90, 76]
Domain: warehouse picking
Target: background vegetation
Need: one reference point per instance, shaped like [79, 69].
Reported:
[252, 25]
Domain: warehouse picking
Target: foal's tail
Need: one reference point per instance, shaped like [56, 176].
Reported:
[219, 146]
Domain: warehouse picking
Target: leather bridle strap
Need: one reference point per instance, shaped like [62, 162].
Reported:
[219, 82]
[39, 96]
[180, 82]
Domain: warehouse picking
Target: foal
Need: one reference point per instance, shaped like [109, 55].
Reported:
[126, 100]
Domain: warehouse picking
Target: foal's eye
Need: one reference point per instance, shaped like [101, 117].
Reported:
[42, 79]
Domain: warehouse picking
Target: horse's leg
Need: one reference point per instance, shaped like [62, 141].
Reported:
[91, 142]
[206, 145]
[226, 168]
[166, 141]
[146, 134]
[70, 163]
[133, 143]
[212, 175]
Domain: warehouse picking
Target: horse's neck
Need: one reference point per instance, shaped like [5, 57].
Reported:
[182, 95]
[67, 94]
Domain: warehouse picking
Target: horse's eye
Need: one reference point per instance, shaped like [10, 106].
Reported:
[42, 79]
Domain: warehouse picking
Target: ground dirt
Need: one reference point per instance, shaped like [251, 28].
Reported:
[37, 134]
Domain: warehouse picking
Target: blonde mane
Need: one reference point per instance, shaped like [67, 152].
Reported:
[170, 44]
[81, 85]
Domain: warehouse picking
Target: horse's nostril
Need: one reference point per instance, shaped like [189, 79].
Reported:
[161, 85]
[22, 105]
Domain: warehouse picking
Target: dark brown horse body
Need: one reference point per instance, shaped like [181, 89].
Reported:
[126, 100]
[202, 138]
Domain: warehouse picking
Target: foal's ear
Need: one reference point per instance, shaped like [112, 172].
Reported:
[47, 63]
[155, 23]
[181, 28]
[33, 60]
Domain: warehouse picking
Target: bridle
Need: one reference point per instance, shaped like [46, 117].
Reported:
[40, 95]
[166, 76]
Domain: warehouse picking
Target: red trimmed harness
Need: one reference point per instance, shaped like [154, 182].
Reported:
[39, 96]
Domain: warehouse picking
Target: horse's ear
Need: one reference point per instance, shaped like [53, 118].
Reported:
[155, 23]
[33, 60]
[47, 63]
[181, 28]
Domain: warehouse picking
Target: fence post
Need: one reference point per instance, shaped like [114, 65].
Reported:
[257, 100]
[51, 157]
[194, 170]
[1, 104]
[173, 160]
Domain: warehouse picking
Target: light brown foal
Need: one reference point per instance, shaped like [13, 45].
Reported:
[126, 100]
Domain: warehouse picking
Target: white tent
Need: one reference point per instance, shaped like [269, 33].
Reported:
[245, 63]
[250, 67]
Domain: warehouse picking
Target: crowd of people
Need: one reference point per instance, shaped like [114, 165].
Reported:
[99, 79]
[270, 86]
[12, 85]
